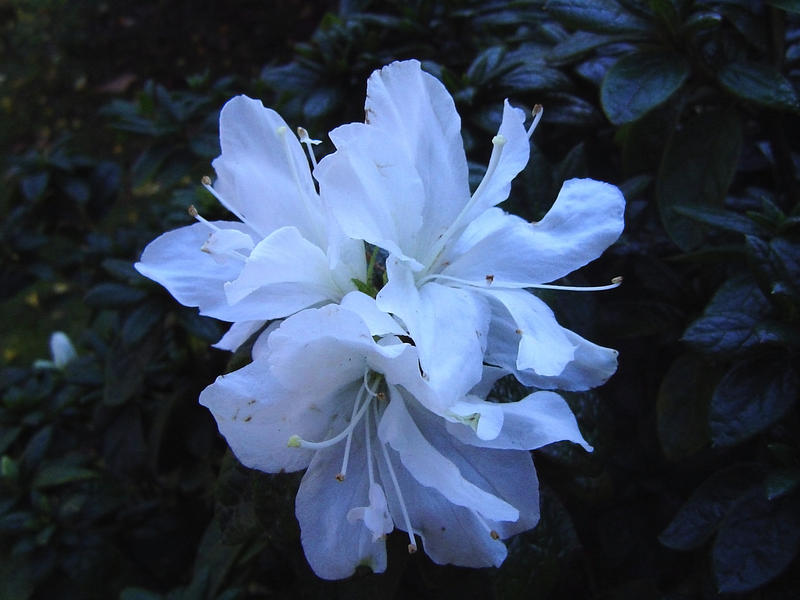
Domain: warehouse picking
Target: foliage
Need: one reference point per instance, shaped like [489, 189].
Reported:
[113, 481]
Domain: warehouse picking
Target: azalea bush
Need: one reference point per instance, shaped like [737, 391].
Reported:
[115, 480]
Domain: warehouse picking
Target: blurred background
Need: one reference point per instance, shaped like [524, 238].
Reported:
[114, 482]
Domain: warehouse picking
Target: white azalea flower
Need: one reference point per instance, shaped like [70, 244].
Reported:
[334, 390]
[283, 255]
[459, 269]
[61, 350]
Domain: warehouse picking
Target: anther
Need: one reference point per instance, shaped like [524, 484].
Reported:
[489, 279]
[193, 211]
[412, 548]
[518, 331]
[494, 535]
[205, 180]
[537, 112]
[617, 280]
[340, 477]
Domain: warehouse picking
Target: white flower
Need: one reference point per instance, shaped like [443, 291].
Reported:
[61, 350]
[459, 269]
[379, 448]
[283, 255]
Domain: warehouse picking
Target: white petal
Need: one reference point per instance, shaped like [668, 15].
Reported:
[484, 418]
[376, 515]
[432, 469]
[238, 334]
[417, 114]
[591, 366]
[257, 416]
[514, 152]
[333, 544]
[263, 175]
[220, 244]
[285, 257]
[378, 322]
[508, 474]
[372, 190]
[586, 218]
[538, 419]
[193, 277]
[543, 345]
[448, 326]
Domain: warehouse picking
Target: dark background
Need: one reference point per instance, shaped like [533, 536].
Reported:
[114, 481]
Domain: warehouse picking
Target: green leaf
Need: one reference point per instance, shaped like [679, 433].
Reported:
[135, 593]
[756, 542]
[697, 520]
[485, 66]
[720, 218]
[682, 407]
[729, 323]
[639, 82]
[760, 84]
[752, 396]
[781, 482]
[787, 5]
[578, 44]
[113, 295]
[602, 16]
[697, 167]
[59, 473]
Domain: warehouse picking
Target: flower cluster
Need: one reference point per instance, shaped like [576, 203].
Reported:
[387, 299]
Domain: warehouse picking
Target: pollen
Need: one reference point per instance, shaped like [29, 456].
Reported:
[617, 280]
[340, 477]
[412, 548]
[206, 180]
[489, 279]
[192, 211]
[494, 535]
[518, 331]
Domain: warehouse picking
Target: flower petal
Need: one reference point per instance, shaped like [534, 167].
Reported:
[537, 420]
[432, 469]
[175, 260]
[238, 334]
[257, 416]
[334, 545]
[585, 219]
[285, 257]
[514, 149]
[372, 190]
[378, 322]
[414, 110]
[543, 345]
[448, 326]
[263, 174]
[591, 366]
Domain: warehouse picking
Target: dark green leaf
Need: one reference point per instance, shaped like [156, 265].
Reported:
[134, 593]
[682, 407]
[58, 473]
[696, 170]
[723, 219]
[759, 84]
[787, 5]
[76, 189]
[696, 521]
[756, 542]
[751, 397]
[637, 83]
[34, 186]
[7, 436]
[485, 66]
[602, 16]
[36, 448]
[140, 322]
[781, 482]
[578, 44]
[534, 78]
[113, 295]
[729, 323]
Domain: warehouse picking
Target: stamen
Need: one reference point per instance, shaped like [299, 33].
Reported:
[308, 142]
[498, 142]
[615, 283]
[206, 182]
[193, 212]
[537, 112]
[492, 533]
[302, 192]
[343, 471]
[412, 546]
[296, 441]
[369, 450]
